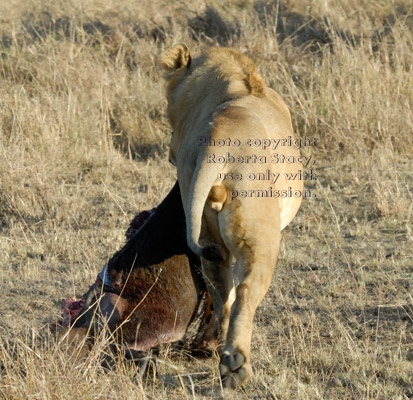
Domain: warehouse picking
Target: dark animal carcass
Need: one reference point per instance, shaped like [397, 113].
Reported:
[150, 292]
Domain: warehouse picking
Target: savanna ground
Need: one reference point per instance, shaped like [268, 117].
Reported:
[83, 148]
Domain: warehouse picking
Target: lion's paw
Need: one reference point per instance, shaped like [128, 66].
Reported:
[233, 369]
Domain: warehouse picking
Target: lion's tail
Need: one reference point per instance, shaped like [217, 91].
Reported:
[202, 182]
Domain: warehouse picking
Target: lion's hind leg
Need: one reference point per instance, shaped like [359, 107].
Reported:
[251, 232]
[217, 274]
[218, 279]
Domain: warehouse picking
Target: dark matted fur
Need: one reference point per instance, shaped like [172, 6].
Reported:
[156, 293]
[158, 275]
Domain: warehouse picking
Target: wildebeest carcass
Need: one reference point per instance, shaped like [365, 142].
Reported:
[150, 292]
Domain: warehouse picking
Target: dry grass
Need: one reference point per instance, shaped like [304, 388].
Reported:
[83, 147]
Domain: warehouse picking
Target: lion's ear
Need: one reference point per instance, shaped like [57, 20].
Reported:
[177, 57]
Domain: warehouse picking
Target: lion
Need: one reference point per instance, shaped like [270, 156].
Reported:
[230, 146]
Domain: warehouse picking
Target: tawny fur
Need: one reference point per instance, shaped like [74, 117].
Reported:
[221, 95]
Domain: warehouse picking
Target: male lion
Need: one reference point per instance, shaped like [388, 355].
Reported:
[230, 145]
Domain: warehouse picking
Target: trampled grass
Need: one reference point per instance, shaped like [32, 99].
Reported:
[83, 148]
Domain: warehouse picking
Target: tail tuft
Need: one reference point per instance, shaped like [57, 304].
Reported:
[213, 252]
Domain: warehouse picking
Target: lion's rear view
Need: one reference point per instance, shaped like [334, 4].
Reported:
[235, 197]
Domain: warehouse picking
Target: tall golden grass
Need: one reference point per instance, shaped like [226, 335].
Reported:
[83, 147]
